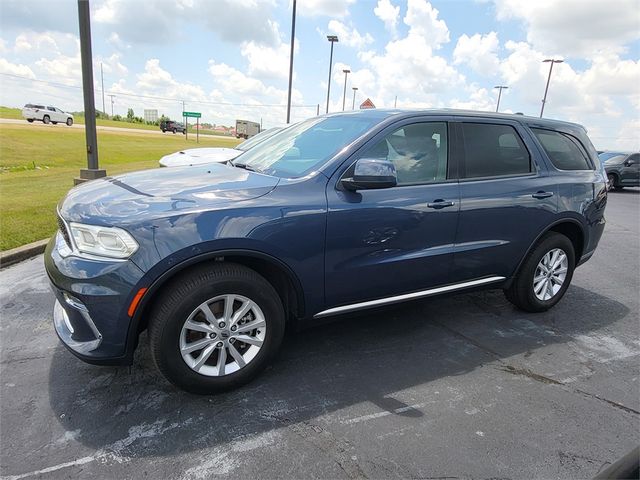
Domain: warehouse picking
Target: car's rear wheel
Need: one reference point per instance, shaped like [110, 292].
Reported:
[69, 121]
[612, 179]
[46, 119]
[544, 275]
[174, 131]
[215, 328]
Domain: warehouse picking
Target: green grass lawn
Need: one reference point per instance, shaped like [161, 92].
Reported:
[37, 167]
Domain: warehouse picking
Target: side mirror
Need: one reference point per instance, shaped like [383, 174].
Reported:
[628, 163]
[371, 173]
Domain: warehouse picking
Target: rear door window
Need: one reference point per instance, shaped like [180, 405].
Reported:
[564, 150]
[493, 150]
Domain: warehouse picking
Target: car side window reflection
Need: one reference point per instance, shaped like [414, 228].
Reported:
[418, 151]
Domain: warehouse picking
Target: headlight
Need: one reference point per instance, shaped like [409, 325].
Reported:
[103, 241]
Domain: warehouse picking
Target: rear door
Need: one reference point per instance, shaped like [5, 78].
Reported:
[506, 198]
[381, 243]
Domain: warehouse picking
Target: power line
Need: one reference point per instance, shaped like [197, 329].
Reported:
[156, 97]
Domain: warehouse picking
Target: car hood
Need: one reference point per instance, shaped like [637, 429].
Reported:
[162, 192]
[199, 156]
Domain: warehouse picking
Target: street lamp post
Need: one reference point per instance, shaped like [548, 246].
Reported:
[546, 89]
[332, 39]
[353, 105]
[500, 88]
[344, 94]
[293, 36]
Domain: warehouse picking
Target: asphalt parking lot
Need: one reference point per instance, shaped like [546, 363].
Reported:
[457, 387]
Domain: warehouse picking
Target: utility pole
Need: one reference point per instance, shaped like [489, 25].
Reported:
[112, 97]
[546, 89]
[500, 88]
[104, 112]
[395, 102]
[332, 39]
[353, 104]
[92, 172]
[293, 36]
[344, 94]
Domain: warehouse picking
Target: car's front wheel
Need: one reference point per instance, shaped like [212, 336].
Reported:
[30, 120]
[545, 274]
[69, 121]
[215, 328]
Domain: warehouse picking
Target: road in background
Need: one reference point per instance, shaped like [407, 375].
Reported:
[463, 386]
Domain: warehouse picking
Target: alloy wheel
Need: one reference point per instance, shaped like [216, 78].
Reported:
[550, 274]
[222, 335]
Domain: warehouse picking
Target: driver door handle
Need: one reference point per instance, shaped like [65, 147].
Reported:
[542, 194]
[437, 204]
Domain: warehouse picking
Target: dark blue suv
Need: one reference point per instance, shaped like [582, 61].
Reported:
[336, 214]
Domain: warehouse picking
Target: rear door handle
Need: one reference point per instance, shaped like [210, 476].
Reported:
[542, 194]
[437, 204]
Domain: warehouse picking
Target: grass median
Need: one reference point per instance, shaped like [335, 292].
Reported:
[37, 167]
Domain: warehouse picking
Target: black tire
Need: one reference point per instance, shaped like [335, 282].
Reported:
[612, 181]
[55, 123]
[163, 130]
[30, 120]
[184, 295]
[521, 292]
[46, 119]
[69, 121]
[174, 131]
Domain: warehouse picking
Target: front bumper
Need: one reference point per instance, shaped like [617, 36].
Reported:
[92, 297]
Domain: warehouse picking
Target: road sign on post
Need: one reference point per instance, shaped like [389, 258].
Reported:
[186, 125]
[367, 104]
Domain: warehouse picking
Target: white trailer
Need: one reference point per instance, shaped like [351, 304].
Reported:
[246, 129]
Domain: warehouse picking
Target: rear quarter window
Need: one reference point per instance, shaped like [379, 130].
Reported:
[564, 150]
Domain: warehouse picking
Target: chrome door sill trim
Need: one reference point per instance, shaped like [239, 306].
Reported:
[407, 296]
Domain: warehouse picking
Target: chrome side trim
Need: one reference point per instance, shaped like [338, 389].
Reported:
[407, 296]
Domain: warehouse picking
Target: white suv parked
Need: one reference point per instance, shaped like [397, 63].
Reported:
[46, 114]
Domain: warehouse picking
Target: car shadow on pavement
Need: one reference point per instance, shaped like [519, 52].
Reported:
[134, 412]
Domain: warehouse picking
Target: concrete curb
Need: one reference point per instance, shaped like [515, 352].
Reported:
[15, 255]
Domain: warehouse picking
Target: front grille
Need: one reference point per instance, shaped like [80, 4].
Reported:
[64, 232]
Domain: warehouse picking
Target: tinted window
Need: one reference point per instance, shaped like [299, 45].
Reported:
[563, 150]
[418, 151]
[635, 158]
[51, 109]
[493, 151]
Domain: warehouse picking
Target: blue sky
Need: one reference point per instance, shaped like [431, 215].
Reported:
[229, 59]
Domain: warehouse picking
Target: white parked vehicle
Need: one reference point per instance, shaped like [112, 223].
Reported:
[199, 156]
[46, 114]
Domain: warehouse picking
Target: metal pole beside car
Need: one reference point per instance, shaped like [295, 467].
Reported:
[500, 88]
[344, 94]
[92, 171]
[353, 104]
[332, 39]
[293, 36]
[546, 89]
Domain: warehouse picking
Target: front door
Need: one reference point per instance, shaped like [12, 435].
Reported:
[382, 243]
[630, 171]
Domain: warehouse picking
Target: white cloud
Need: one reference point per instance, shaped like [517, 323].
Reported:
[22, 43]
[327, 8]
[349, 35]
[267, 62]
[231, 20]
[389, 14]
[423, 21]
[575, 28]
[15, 69]
[479, 52]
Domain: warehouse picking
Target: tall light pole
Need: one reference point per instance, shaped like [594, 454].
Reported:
[500, 88]
[293, 36]
[344, 94]
[544, 100]
[353, 105]
[332, 39]
[112, 97]
[102, 80]
[86, 58]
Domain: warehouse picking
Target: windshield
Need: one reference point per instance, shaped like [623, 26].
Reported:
[604, 156]
[256, 139]
[301, 148]
[614, 160]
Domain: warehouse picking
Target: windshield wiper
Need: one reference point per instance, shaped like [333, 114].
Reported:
[244, 166]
